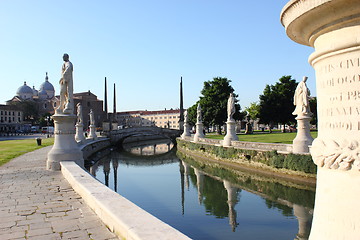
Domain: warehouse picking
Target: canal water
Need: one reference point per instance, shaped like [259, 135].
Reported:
[206, 201]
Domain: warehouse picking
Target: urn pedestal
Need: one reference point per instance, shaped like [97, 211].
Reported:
[303, 139]
[186, 132]
[65, 147]
[199, 132]
[92, 133]
[230, 133]
[79, 135]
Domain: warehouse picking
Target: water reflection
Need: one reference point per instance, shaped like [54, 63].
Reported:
[148, 148]
[207, 190]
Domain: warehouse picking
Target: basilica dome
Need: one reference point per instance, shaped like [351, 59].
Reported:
[35, 92]
[25, 92]
[43, 94]
[47, 87]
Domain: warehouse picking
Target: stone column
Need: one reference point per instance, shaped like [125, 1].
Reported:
[79, 135]
[92, 133]
[186, 132]
[65, 147]
[333, 29]
[199, 126]
[230, 133]
[303, 139]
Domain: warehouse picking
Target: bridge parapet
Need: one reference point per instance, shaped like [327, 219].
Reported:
[120, 135]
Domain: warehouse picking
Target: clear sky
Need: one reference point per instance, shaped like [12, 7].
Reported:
[146, 46]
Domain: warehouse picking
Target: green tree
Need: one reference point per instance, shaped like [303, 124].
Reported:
[213, 101]
[46, 120]
[276, 102]
[253, 110]
[313, 109]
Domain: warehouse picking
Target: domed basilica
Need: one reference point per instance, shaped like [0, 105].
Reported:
[44, 97]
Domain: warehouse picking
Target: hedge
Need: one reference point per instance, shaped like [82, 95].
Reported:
[295, 162]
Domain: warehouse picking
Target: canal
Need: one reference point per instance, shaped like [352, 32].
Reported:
[203, 200]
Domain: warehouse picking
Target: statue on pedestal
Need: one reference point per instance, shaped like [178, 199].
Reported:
[303, 138]
[79, 114]
[301, 99]
[92, 117]
[198, 116]
[231, 107]
[66, 105]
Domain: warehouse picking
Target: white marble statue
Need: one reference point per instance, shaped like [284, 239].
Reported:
[185, 116]
[66, 87]
[231, 107]
[198, 111]
[92, 117]
[79, 114]
[301, 99]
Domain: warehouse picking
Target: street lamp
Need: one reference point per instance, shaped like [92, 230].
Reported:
[48, 121]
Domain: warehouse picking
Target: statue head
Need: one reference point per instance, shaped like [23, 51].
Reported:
[305, 78]
[66, 57]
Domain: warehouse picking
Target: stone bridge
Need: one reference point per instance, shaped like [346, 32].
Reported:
[142, 133]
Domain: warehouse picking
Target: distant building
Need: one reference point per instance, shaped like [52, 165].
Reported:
[88, 101]
[161, 118]
[44, 97]
[46, 102]
[11, 119]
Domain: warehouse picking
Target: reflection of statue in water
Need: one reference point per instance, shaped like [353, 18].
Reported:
[199, 117]
[301, 99]
[79, 113]
[92, 117]
[66, 87]
[231, 107]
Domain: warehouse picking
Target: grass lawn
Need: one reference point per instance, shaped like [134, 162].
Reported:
[275, 137]
[14, 148]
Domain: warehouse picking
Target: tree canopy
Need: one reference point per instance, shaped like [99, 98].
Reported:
[276, 102]
[213, 101]
[253, 110]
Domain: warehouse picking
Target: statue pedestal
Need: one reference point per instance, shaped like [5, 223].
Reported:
[303, 139]
[199, 132]
[186, 132]
[230, 133]
[65, 147]
[92, 133]
[79, 135]
[333, 28]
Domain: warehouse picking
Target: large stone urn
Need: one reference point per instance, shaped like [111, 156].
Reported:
[332, 27]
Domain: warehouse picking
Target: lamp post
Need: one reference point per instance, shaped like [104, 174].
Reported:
[48, 123]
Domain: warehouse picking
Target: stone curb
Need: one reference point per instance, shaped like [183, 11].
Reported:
[120, 215]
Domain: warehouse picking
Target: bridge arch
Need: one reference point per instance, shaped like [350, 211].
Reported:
[117, 137]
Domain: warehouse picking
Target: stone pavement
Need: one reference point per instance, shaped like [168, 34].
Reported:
[40, 204]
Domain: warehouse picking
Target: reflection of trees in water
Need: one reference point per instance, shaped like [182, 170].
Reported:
[285, 210]
[266, 187]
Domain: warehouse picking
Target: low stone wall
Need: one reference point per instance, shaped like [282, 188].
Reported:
[121, 216]
[274, 158]
[92, 146]
[281, 148]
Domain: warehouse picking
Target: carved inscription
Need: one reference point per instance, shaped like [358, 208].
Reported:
[333, 73]
[339, 90]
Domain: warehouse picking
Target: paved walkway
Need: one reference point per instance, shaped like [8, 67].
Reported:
[40, 204]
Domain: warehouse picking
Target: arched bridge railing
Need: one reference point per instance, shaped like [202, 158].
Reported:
[142, 133]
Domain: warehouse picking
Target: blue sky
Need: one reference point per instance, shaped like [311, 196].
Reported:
[146, 46]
